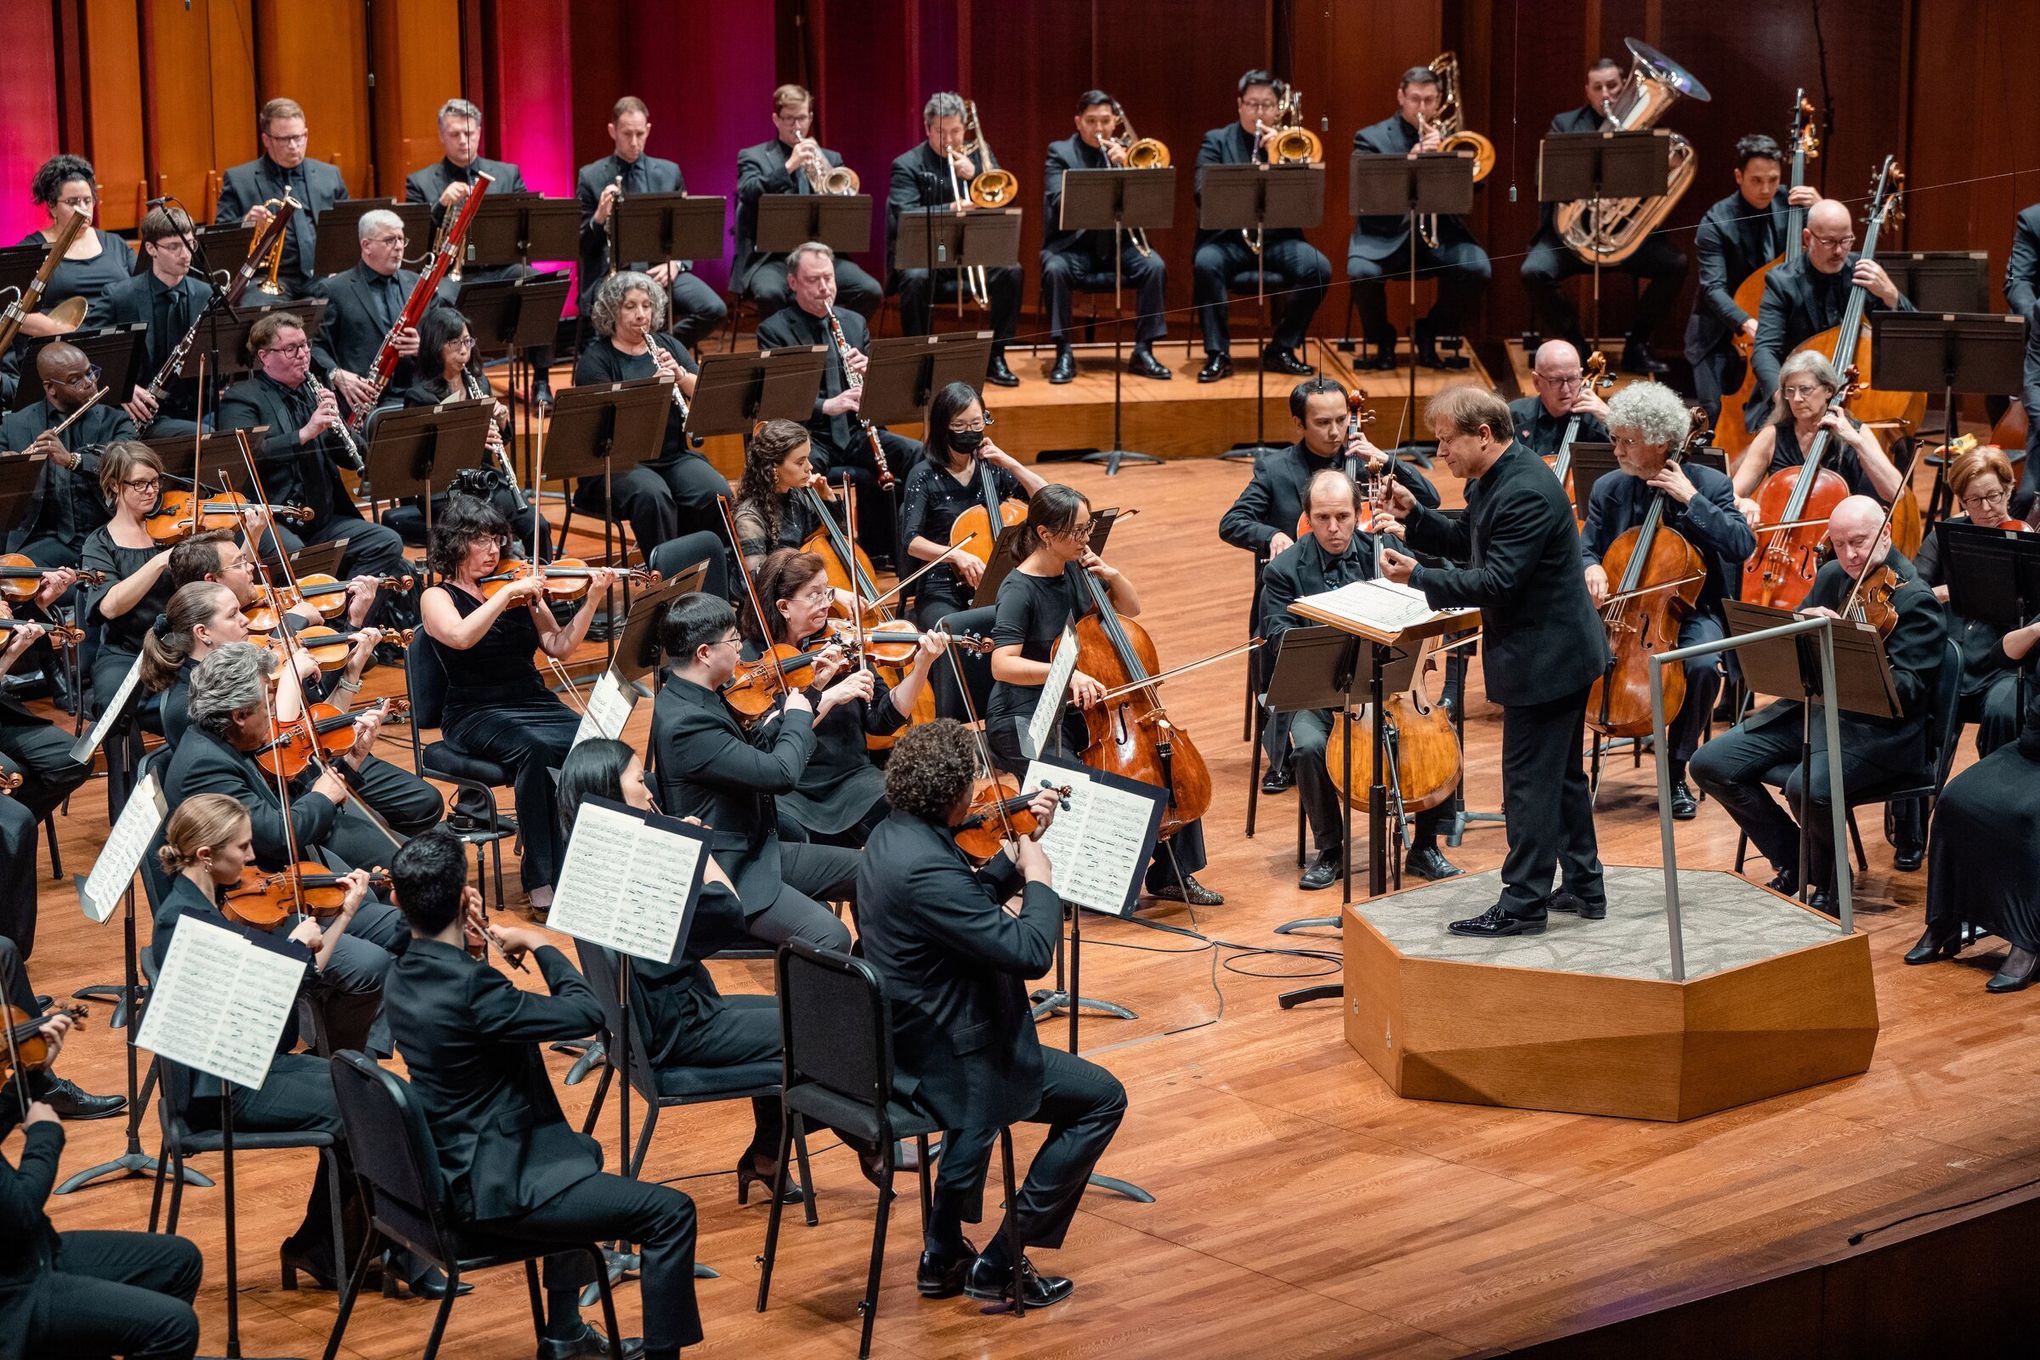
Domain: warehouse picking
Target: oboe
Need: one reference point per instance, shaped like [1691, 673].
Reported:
[856, 380]
[348, 443]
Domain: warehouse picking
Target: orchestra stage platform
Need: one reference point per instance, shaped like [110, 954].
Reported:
[1587, 1016]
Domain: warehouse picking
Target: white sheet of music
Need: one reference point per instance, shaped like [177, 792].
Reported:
[1099, 846]
[1381, 604]
[82, 749]
[626, 884]
[609, 703]
[120, 854]
[1048, 708]
[220, 1003]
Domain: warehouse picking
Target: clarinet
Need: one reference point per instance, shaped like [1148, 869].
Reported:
[856, 380]
[350, 446]
[476, 391]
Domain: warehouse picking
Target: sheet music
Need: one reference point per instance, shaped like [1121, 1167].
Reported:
[1383, 605]
[113, 873]
[220, 1003]
[82, 749]
[1048, 708]
[609, 705]
[626, 883]
[1100, 845]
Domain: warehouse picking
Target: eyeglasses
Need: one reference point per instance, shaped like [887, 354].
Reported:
[148, 484]
[1260, 104]
[1078, 531]
[465, 342]
[90, 375]
[396, 240]
[79, 204]
[978, 428]
[819, 596]
[1569, 380]
[295, 139]
[733, 640]
[290, 351]
[1833, 242]
[1980, 502]
[1800, 393]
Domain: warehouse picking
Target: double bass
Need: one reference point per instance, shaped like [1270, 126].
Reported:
[1731, 436]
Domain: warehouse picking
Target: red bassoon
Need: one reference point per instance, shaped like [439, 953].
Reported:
[443, 259]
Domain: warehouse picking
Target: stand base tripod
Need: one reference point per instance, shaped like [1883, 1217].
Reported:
[108, 991]
[1112, 458]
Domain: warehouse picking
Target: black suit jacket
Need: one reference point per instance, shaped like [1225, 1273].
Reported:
[470, 1040]
[1730, 246]
[1543, 637]
[1071, 153]
[761, 169]
[1232, 145]
[1305, 568]
[920, 179]
[955, 967]
[203, 763]
[1272, 502]
[789, 327]
[255, 182]
[426, 185]
[1542, 432]
[650, 175]
[1376, 238]
[293, 473]
[133, 300]
[28, 1244]
[2022, 296]
[1796, 307]
[102, 424]
[353, 330]
[710, 768]
[1710, 522]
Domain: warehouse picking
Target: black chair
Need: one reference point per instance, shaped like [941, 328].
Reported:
[425, 686]
[836, 1029]
[410, 1206]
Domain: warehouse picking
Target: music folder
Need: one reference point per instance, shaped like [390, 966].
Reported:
[1099, 846]
[630, 880]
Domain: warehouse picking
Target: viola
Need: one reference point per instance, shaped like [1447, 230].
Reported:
[1657, 577]
[566, 578]
[21, 578]
[181, 514]
[325, 731]
[1871, 603]
[999, 807]
[25, 1041]
[264, 899]
[757, 684]
[329, 646]
[60, 634]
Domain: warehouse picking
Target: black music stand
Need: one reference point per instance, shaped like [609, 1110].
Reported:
[842, 222]
[1941, 280]
[637, 642]
[1598, 166]
[943, 238]
[654, 228]
[219, 462]
[595, 424]
[735, 391]
[1426, 185]
[339, 243]
[1954, 351]
[1120, 200]
[1254, 198]
[117, 350]
[1994, 576]
[519, 228]
[510, 315]
[222, 339]
[18, 267]
[229, 244]
[906, 370]
[413, 444]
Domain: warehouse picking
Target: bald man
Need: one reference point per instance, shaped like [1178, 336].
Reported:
[1806, 296]
[66, 504]
[1764, 749]
[1543, 417]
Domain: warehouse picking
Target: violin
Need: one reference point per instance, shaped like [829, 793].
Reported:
[327, 594]
[329, 646]
[999, 807]
[566, 578]
[1870, 603]
[181, 514]
[60, 634]
[21, 578]
[291, 747]
[264, 899]
[1424, 756]
[25, 1041]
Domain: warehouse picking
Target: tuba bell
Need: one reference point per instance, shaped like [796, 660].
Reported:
[1612, 229]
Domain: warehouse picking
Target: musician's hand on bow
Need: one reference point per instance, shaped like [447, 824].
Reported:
[1086, 691]
[304, 664]
[356, 390]
[405, 343]
[1597, 584]
[53, 585]
[1673, 481]
[141, 407]
[859, 684]
[307, 933]
[515, 941]
[1749, 329]
[1870, 275]
[331, 786]
[968, 566]
[1395, 566]
[527, 590]
[1749, 510]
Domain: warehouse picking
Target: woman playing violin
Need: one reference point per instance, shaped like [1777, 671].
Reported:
[497, 707]
[768, 513]
[135, 588]
[945, 484]
[840, 795]
[1806, 384]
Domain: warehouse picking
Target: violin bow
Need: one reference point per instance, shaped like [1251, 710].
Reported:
[722, 504]
[925, 568]
[290, 845]
[981, 741]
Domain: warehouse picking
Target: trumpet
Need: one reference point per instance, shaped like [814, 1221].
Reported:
[272, 263]
[824, 178]
[349, 444]
[1137, 153]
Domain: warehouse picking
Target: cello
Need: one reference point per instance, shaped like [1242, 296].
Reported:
[1423, 750]
[1358, 417]
[1731, 435]
[972, 530]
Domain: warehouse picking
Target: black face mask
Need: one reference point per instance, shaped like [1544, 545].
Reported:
[966, 442]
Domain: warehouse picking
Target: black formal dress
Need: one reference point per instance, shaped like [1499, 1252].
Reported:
[955, 966]
[1083, 259]
[168, 312]
[840, 794]
[1543, 433]
[84, 1293]
[1764, 749]
[1839, 458]
[674, 491]
[1990, 679]
[1734, 241]
[2022, 298]
[1550, 262]
[1542, 649]
[756, 537]
[920, 179]
[1298, 272]
[427, 184]
[1983, 856]
[120, 639]
[1378, 254]
[696, 311]
[760, 275]
[362, 307]
[1799, 303]
[933, 500]
[315, 185]
[66, 504]
[88, 279]
[1722, 537]
[710, 767]
[470, 1041]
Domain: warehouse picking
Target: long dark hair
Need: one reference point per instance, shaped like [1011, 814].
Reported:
[439, 328]
[758, 490]
[593, 769]
[951, 402]
[465, 522]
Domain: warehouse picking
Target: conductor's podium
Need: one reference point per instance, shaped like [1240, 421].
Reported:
[1586, 1017]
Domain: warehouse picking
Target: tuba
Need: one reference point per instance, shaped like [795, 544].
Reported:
[1452, 137]
[1610, 230]
[1142, 153]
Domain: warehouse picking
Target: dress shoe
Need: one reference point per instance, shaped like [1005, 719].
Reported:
[295, 1261]
[430, 1283]
[1428, 861]
[1281, 359]
[1217, 367]
[541, 390]
[1940, 940]
[941, 1276]
[63, 1096]
[1142, 363]
[988, 1279]
[999, 373]
[1065, 369]
[463, 822]
[1909, 858]
[2017, 974]
[1784, 881]
[1822, 900]
[1383, 358]
[1495, 923]
[1637, 359]
[1278, 779]
[1684, 807]
[1576, 904]
[1322, 873]
[748, 1172]
[589, 1342]
[1189, 890]
[1428, 355]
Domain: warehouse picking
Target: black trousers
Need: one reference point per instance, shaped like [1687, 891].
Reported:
[855, 289]
[921, 290]
[406, 802]
[877, 508]
[676, 555]
[1549, 816]
[604, 1207]
[532, 737]
[15, 988]
[40, 754]
[728, 1031]
[1715, 375]
[1994, 708]
[2028, 494]
[1461, 268]
[661, 499]
[1082, 1105]
[1063, 272]
[1550, 263]
[118, 1293]
[808, 873]
[1298, 276]
[1309, 733]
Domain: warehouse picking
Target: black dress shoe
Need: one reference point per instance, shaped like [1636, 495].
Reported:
[1940, 940]
[1217, 367]
[2017, 974]
[589, 1342]
[1638, 359]
[1278, 780]
[1142, 363]
[294, 1262]
[1065, 369]
[989, 1280]
[748, 1172]
[1428, 861]
[541, 390]
[1784, 881]
[1495, 923]
[1189, 890]
[63, 1096]
[999, 374]
[941, 1277]
[1281, 359]
[1382, 360]
[1909, 858]
[1823, 901]
[1586, 908]
[1684, 807]
[1427, 351]
[430, 1283]
[1323, 872]
[463, 822]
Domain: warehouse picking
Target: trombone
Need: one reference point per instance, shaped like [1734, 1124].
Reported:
[1139, 153]
[990, 187]
[1288, 142]
[1452, 138]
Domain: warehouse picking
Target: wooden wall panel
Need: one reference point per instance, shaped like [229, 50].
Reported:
[417, 53]
[113, 97]
[197, 68]
[29, 130]
[316, 52]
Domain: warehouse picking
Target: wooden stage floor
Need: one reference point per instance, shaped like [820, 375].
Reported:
[1301, 1208]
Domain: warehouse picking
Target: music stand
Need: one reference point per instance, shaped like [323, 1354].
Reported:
[18, 267]
[219, 456]
[339, 240]
[905, 370]
[655, 228]
[1993, 575]
[117, 350]
[735, 391]
[1427, 185]
[314, 559]
[637, 642]
[1254, 198]
[1597, 166]
[232, 243]
[18, 475]
[222, 339]
[842, 222]
[592, 426]
[519, 228]
[510, 315]
[1941, 280]
[1118, 199]
[943, 238]
[1591, 461]
[412, 444]
[1954, 351]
